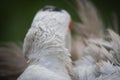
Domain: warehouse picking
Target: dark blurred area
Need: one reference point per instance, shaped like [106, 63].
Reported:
[12, 61]
[110, 13]
[16, 15]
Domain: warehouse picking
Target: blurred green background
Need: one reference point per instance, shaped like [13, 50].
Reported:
[16, 15]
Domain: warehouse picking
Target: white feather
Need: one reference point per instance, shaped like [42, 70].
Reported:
[45, 47]
[97, 57]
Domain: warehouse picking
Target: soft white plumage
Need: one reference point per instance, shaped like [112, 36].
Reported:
[97, 55]
[45, 46]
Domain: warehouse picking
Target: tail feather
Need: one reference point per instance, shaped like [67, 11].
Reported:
[115, 45]
[12, 61]
[90, 18]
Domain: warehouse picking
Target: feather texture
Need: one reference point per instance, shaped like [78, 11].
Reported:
[97, 57]
[12, 61]
[45, 47]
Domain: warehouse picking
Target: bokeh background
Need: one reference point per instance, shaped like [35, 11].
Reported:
[16, 15]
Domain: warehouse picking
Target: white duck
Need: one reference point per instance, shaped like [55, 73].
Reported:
[45, 46]
[96, 57]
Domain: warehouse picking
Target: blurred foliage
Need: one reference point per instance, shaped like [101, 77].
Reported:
[16, 15]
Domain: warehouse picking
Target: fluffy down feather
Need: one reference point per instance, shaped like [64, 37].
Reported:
[96, 57]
